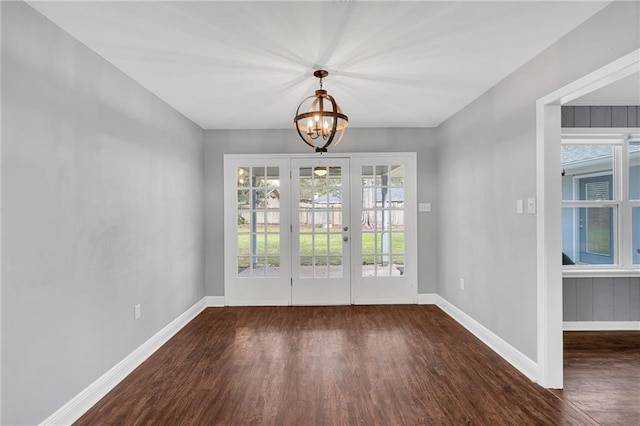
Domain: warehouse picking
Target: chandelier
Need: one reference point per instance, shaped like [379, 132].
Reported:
[321, 120]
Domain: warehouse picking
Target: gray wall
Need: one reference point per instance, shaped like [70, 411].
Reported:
[220, 142]
[102, 208]
[601, 299]
[486, 160]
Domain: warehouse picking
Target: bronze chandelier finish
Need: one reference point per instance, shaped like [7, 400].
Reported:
[323, 119]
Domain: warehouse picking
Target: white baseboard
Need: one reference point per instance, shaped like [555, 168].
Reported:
[427, 298]
[601, 326]
[384, 302]
[81, 403]
[214, 301]
[260, 303]
[513, 356]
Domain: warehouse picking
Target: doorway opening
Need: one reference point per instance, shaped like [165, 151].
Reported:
[322, 230]
[549, 220]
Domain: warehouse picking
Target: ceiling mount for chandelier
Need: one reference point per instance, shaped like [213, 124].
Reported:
[321, 119]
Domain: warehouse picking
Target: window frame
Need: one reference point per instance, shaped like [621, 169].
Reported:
[620, 140]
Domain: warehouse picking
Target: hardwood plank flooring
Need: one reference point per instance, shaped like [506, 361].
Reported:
[602, 375]
[344, 365]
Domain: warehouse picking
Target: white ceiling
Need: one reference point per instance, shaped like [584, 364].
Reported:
[247, 65]
[623, 92]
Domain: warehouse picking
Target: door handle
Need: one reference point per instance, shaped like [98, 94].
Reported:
[345, 229]
[345, 238]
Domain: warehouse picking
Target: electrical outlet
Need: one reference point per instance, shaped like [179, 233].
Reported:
[461, 283]
[136, 312]
[424, 207]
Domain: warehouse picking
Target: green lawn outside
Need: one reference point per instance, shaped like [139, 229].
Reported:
[306, 245]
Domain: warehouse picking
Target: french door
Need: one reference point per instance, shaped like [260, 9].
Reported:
[385, 235]
[320, 230]
[257, 231]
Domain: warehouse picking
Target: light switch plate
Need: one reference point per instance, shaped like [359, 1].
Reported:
[531, 205]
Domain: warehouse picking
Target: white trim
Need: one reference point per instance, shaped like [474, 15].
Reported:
[324, 155]
[549, 243]
[214, 301]
[601, 326]
[384, 302]
[579, 204]
[610, 73]
[549, 246]
[579, 102]
[520, 361]
[258, 303]
[427, 298]
[0, 228]
[580, 271]
[81, 403]
[598, 135]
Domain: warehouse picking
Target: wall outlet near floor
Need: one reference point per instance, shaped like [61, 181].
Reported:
[136, 311]
[461, 283]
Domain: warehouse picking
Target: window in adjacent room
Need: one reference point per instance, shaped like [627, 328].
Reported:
[601, 200]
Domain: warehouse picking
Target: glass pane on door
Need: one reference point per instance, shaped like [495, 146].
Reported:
[320, 221]
[382, 221]
[258, 222]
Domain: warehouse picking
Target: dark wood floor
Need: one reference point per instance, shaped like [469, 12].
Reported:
[602, 375]
[347, 365]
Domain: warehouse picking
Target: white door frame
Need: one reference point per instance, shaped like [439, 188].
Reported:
[549, 222]
[231, 161]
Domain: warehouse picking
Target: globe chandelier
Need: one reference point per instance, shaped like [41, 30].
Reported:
[321, 119]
